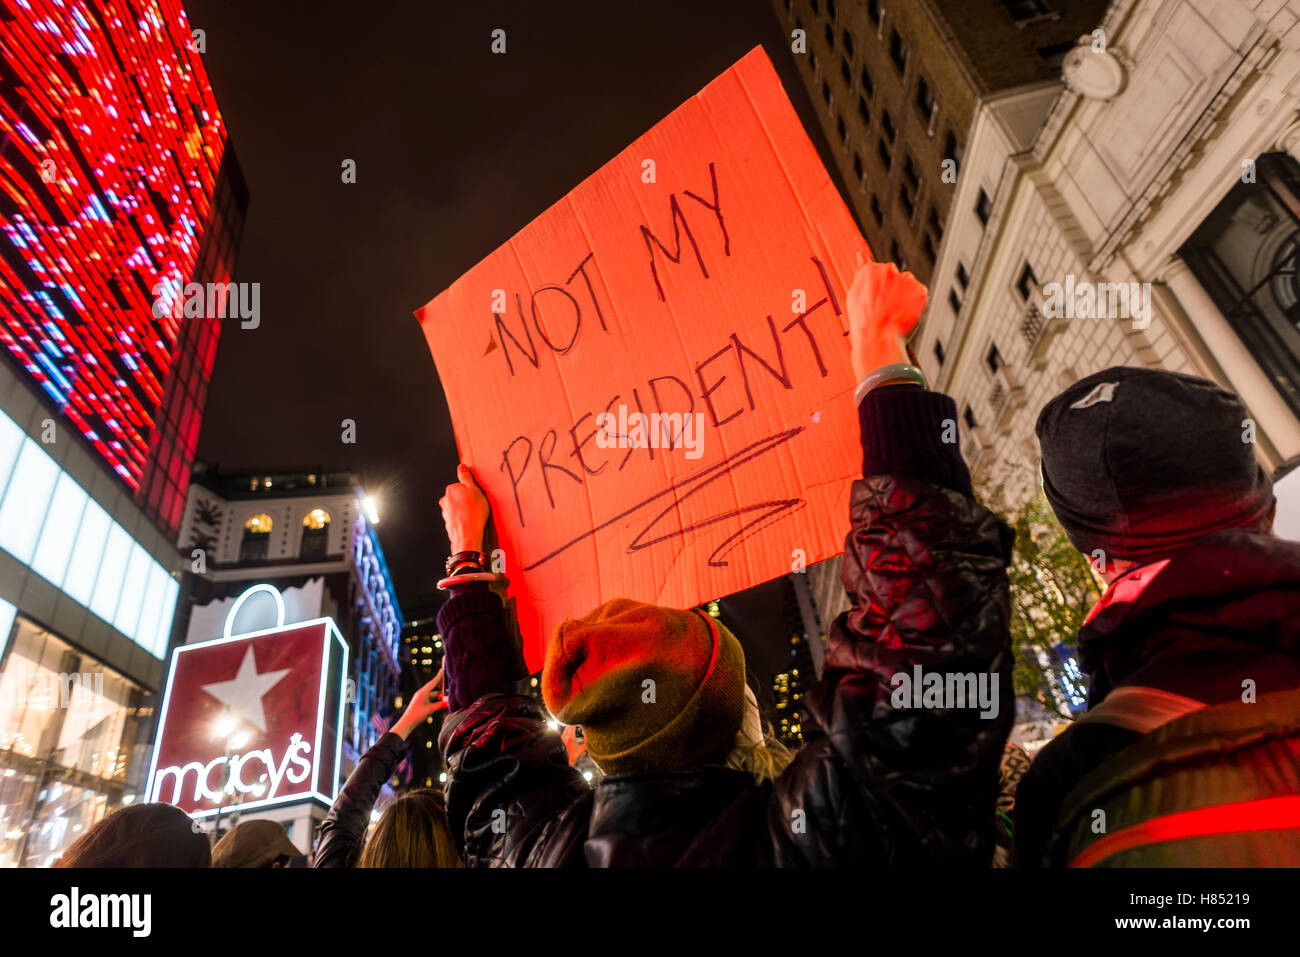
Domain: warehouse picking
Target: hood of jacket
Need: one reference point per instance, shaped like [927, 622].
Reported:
[1223, 610]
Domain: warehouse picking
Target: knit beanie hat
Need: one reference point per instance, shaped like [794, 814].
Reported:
[1141, 462]
[655, 689]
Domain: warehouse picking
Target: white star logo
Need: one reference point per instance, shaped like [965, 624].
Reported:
[243, 693]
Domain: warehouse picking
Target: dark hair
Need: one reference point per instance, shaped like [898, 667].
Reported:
[141, 835]
[412, 832]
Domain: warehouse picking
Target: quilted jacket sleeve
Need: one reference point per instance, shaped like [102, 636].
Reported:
[886, 777]
[508, 773]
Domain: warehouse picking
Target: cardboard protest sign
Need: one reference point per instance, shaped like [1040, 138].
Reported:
[651, 380]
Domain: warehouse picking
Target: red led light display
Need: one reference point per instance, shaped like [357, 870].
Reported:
[110, 148]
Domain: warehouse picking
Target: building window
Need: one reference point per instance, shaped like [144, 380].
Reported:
[1023, 11]
[994, 359]
[952, 150]
[938, 351]
[315, 534]
[847, 40]
[830, 37]
[830, 9]
[896, 255]
[841, 129]
[875, 211]
[1054, 54]
[864, 111]
[927, 247]
[886, 156]
[955, 301]
[898, 52]
[1027, 282]
[887, 125]
[857, 166]
[936, 227]
[925, 101]
[983, 208]
[910, 186]
[816, 7]
[969, 416]
[257, 538]
[962, 276]
[910, 172]
[826, 92]
[845, 73]
[868, 87]
[873, 11]
[1247, 256]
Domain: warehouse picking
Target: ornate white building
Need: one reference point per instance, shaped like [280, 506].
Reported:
[1167, 155]
[1168, 158]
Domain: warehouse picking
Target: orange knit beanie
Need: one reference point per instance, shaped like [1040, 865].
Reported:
[654, 689]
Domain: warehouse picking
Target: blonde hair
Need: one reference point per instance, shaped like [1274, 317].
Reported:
[765, 761]
[757, 749]
[412, 832]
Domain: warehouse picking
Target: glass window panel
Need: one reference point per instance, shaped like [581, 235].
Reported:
[60, 531]
[159, 647]
[154, 594]
[7, 612]
[108, 588]
[26, 500]
[90, 738]
[70, 713]
[137, 576]
[85, 563]
[11, 440]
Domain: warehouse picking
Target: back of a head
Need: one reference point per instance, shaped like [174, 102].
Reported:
[141, 835]
[654, 689]
[254, 843]
[412, 832]
[1139, 463]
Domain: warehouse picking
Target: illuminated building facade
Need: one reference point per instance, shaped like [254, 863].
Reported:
[310, 533]
[116, 179]
[116, 182]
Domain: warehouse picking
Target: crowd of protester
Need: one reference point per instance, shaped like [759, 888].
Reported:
[1188, 754]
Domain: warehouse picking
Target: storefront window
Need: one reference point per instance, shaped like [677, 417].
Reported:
[67, 729]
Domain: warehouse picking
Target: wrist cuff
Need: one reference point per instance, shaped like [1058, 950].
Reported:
[904, 428]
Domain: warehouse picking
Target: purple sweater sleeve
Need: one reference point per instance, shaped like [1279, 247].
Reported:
[479, 654]
[910, 432]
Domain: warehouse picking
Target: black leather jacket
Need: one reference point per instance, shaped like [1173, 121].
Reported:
[343, 831]
[925, 569]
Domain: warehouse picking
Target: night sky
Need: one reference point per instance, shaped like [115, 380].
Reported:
[456, 149]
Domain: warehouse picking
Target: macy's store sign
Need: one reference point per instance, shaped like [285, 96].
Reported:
[251, 720]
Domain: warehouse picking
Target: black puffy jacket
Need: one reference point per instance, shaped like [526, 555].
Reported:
[925, 569]
[1223, 611]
